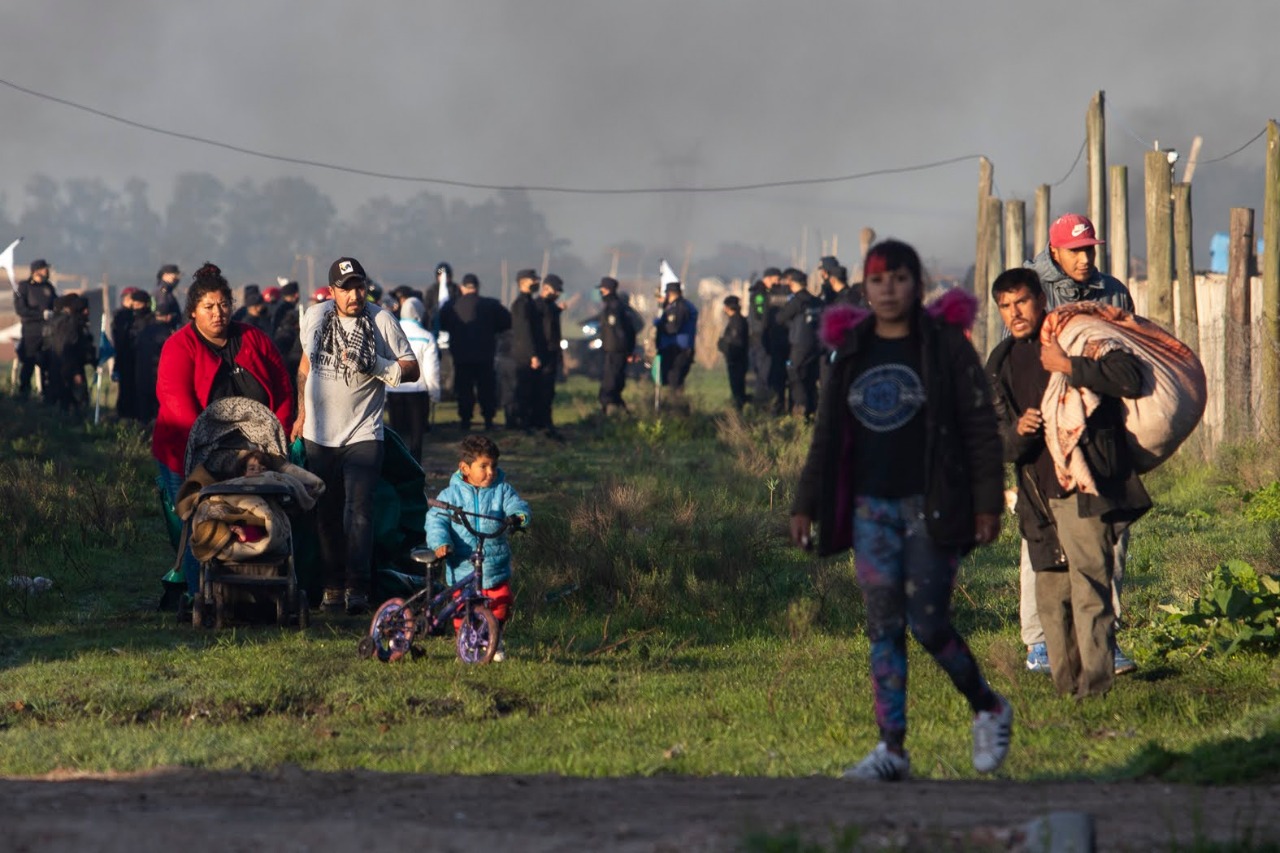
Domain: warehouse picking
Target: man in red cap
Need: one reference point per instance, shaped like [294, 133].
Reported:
[1068, 273]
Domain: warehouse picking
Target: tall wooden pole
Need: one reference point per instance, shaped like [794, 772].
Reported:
[1239, 371]
[995, 254]
[1015, 233]
[1269, 423]
[1040, 237]
[1096, 150]
[1185, 266]
[985, 179]
[1159, 238]
[1118, 234]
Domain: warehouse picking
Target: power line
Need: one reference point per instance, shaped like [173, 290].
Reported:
[1237, 151]
[301, 161]
[1074, 163]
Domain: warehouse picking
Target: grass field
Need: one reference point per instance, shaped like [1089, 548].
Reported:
[663, 626]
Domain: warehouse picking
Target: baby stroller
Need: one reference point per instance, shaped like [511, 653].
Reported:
[215, 503]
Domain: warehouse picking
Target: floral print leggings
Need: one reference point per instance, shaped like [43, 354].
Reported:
[907, 580]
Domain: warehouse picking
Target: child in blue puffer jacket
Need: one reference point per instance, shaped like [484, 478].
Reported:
[478, 486]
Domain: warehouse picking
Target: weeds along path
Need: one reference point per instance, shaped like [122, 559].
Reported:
[290, 809]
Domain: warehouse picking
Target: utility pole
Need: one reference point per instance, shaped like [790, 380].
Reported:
[1096, 148]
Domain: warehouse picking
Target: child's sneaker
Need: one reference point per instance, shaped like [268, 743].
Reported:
[881, 765]
[501, 654]
[992, 731]
[1038, 658]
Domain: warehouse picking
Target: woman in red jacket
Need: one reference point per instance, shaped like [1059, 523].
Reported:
[207, 359]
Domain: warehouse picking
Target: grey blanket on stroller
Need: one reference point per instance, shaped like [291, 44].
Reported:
[229, 426]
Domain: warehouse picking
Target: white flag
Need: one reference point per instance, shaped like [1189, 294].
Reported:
[667, 274]
[6, 261]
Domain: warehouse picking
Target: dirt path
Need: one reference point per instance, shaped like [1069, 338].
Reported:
[291, 809]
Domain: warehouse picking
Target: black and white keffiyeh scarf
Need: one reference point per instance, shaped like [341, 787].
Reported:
[359, 345]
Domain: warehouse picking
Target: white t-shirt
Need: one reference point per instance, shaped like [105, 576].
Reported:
[341, 408]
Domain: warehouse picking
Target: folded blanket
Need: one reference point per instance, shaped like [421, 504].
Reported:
[1156, 422]
[212, 518]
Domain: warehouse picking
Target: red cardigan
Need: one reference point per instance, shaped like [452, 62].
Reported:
[185, 378]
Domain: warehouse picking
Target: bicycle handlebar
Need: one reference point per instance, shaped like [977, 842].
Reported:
[461, 515]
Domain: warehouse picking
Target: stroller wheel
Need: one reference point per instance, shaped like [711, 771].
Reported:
[197, 611]
[392, 630]
[478, 635]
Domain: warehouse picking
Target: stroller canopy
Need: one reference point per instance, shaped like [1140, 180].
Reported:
[229, 426]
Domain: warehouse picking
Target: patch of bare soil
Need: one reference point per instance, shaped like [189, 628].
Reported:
[291, 809]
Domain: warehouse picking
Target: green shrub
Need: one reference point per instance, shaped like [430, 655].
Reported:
[1237, 608]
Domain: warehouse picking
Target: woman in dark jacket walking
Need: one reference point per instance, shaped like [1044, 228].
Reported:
[905, 466]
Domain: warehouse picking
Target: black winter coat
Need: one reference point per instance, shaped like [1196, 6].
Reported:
[733, 341]
[616, 326]
[474, 323]
[963, 471]
[551, 333]
[528, 339]
[800, 318]
[1121, 498]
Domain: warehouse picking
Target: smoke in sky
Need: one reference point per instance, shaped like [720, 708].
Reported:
[652, 94]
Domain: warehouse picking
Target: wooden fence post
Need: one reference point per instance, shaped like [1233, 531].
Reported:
[1159, 239]
[981, 254]
[1015, 234]
[1040, 238]
[1095, 129]
[1269, 424]
[995, 254]
[1239, 370]
[1118, 234]
[1184, 262]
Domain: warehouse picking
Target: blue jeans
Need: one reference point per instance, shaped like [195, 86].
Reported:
[171, 481]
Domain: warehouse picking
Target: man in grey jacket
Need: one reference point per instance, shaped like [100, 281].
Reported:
[1068, 273]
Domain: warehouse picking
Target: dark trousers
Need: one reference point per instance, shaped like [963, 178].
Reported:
[778, 384]
[31, 357]
[345, 511]
[527, 385]
[545, 395]
[675, 365]
[802, 376]
[759, 361]
[409, 411]
[613, 378]
[737, 368]
[472, 381]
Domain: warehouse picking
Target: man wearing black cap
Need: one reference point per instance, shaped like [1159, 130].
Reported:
[677, 331]
[257, 312]
[473, 323]
[549, 372]
[167, 310]
[528, 346]
[800, 318]
[251, 290]
[352, 350]
[617, 344]
[733, 345]
[33, 303]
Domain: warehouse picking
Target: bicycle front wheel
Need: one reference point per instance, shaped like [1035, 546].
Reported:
[477, 635]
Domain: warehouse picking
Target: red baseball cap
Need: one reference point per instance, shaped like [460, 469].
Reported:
[1072, 231]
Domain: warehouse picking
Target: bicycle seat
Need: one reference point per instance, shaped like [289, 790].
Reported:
[423, 554]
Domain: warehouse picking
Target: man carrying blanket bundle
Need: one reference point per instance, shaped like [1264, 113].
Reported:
[1070, 524]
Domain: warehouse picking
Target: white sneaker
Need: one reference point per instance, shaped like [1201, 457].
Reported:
[501, 654]
[992, 731]
[881, 765]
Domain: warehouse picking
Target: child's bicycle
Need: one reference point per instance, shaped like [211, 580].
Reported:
[398, 621]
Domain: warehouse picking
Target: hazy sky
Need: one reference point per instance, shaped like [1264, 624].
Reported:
[652, 93]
